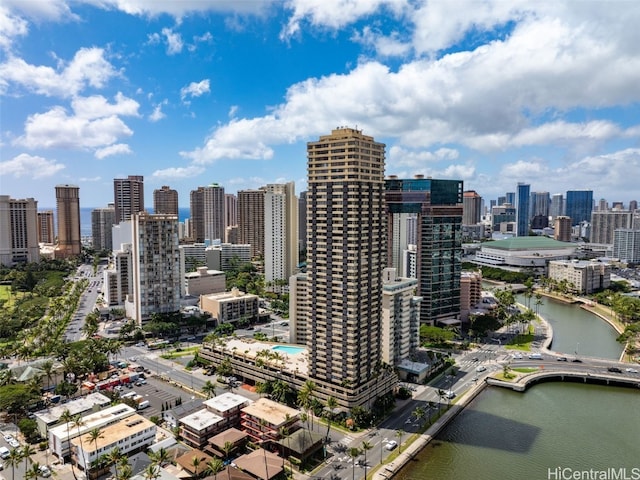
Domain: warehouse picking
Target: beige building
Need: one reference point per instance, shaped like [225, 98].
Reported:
[46, 232]
[298, 309]
[18, 231]
[581, 276]
[605, 223]
[128, 196]
[231, 306]
[281, 234]
[562, 229]
[208, 213]
[68, 211]
[204, 282]
[251, 220]
[470, 292]
[131, 435]
[165, 200]
[263, 419]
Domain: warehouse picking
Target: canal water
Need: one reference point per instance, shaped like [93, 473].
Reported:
[510, 435]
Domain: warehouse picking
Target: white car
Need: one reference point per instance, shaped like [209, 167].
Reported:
[8, 437]
[450, 394]
[44, 471]
[517, 356]
[14, 443]
[480, 368]
[631, 370]
[391, 444]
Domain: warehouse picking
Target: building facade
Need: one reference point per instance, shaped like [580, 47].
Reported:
[231, 307]
[208, 213]
[128, 196]
[165, 201]
[346, 255]
[438, 207]
[562, 229]
[605, 223]
[522, 209]
[579, 205]
[251, 220]
[46, 231]
[581, 276]
[102, 221]
[18, 231]
[626, 245]
[68, 211]
[280, 233]
[471, 207]
[230, 210]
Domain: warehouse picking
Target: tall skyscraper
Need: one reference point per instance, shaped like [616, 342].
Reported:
[540, 202]
[68, 211]
[346, 256]
[633, 205]
[207, 213]
[251, 220]
[102, 221]
[302, 222]
[626, 245]
[156, 266]
[128, 196]
[165, 200]
[438, 207]
[281, 232]
[578, 206]
[510, 198]
[604, 224]
[471, 208]
[522, 210]
[46, 231]
[230, 210]
[557, 206]
[18, 231]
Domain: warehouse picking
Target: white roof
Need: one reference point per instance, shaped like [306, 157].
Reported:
[75, 407]
[201, 420]
[226, 401]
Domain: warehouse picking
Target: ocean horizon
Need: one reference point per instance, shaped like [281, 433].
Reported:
[85, 217]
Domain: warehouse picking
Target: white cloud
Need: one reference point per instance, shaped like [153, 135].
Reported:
[115, 149]
[42, 10]
[334, 14]
[11, 26]
[181, 8]
[35, 167]
[232, 111]
[90, 179]
[158, 114]
[87, 68]
[97, 106]
[385, 45]
[401, 157]
[195, 89]
[197, 39]
[179, 172]
[57, 129]
[173, 40]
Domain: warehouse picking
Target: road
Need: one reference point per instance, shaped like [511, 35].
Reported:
[87, 300]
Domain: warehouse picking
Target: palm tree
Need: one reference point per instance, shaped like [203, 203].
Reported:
[418, 413]
[195, 463]
[94, 435]
[209, 389]
[67, 418]
[227, 448]
[126, 471]
[214, 466]
[15, 457]
[305, 397]
[330, 405]
[399, 434]
[48, 367]
[151, 472]
[353, 452]
[33, 472]
[159, 457]
[78, 422]
[366, 446]
[26, 452]
[114, 457]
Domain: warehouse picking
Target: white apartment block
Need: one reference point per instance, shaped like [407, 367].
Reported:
[18, 231]
[298, 309]
[281, 232]
[604, 224]
[221, 257]
[410, 261]
[231, 306]
[118, 278]
[400, 317]
[50, 417]
[582, 276]
[132, 434]
[626, 245]
[61, 435]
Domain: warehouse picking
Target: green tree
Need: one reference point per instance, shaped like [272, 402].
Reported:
[209, 389]
[332, 403]
[366, 446]
[14, 459]
[399, 434]
[95, 434]
[26, 451]
[353, 452]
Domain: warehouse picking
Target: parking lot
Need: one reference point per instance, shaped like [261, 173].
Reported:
[159, 393]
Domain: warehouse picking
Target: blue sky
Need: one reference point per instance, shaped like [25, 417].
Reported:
[197, 91]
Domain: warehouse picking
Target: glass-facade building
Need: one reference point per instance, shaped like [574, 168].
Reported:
[438, 207]
[522, 209]
[578, 206]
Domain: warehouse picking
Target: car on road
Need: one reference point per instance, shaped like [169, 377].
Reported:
[450, 394]
[480, 368]
[284, 324]
[631, 370]
[535, 356]
[561, 359]
[517, 356]
[4, 453]
[576, 360]
[614, 370]
[391, 444]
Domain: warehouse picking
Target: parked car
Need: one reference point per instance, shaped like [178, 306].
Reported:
[561, 359]
[631, 370]
[391, 444]
[14, 443]
[44, 471]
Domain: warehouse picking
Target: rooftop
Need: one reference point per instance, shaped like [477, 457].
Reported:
[186, 461]
[125, 428]
[94, 420]
[201, 420]
[273, 413]
[226, 401]
[528, 243]
[81, 405]
[260, 463]
[231, 435]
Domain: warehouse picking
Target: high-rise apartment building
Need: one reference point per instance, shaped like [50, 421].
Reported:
[102, 221]
[18, 231]
[230, 210]
[503, 218]
[46, 231]
[346, 257]
[626, 245]
[562, 229]
[633, 205]
[128, 196]
[603, 225]
[68, 212]
[557, 205]
[280, 233]
[156, 266]
[251, 220]
[302, 222]
[165, 201]
[471, 207]
[437, 204]
[540, 203]
[208, 214]
[510, 198]
[578, 206]
[522, 210]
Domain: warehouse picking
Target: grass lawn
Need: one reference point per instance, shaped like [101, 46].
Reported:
[520, 342]
[8, 296]
[525, 369]
[183, 352]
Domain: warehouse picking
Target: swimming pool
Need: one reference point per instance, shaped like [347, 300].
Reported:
[288, 349]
